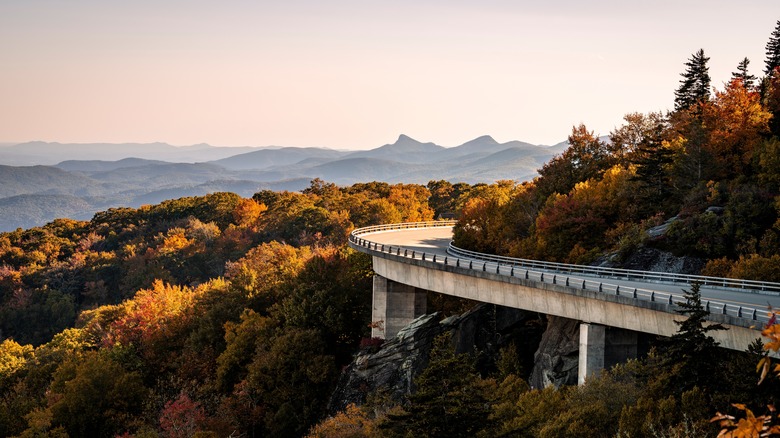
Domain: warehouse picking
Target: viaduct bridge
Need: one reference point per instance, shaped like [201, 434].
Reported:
[612, 305]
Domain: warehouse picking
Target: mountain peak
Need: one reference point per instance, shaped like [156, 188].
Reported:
[485, 139]
[403, 138]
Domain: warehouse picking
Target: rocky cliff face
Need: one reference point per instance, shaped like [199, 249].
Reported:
[652, 259]
[391, 368]
[548, 346]
[556, 360]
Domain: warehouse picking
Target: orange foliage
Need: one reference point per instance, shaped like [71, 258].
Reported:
[748, 427]
[737, 123]
[151, 315]
[248, 212]
[350, 423]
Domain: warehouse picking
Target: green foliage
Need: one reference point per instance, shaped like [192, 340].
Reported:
[95, 396]
[293, 375]
[695, 85]
[742, 74]
[691, 353]
[448, 401]
[773, 51]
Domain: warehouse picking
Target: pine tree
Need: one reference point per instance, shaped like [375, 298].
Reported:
[695, 85]
[652, 162]
[448, 401]
[742, 74]
[692, 352]
[773, 51]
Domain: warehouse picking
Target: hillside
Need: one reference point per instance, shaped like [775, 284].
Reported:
[27, 211]
[270, 158]
[130, 175]
[40, 179]
[39, 152]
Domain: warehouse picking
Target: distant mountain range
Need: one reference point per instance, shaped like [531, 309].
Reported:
[42, 181]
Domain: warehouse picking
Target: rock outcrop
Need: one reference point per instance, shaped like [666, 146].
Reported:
[556, 360]
[391, 368]
[651, 259]
[646, 258]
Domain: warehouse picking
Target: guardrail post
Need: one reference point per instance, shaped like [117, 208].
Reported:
[739, 312]
[601, 285]
[471, 264]
[484, 266]
[398, 252]
[423, 257]
[617, 290]
[754, 314]
[670, 300]
[541, 277]
[633, 295]
[445, 260]
[383, 247]
[583, 284]
[707, 306]
[652, 295]
[554, 278]
[406, 252]
[412, 254]
[457, 263]
[497, 269]
[723, 311]
[512, 272]
[567, 281]
[526, 274]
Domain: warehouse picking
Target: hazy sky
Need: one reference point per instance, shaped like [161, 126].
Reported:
[354, 74]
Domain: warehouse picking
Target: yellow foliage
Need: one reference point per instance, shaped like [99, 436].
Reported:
[350, 423]
[13, 357]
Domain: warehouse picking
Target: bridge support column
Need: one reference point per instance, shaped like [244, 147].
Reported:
[395, 305]
[592, 346]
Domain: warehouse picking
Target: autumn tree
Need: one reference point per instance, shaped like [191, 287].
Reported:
[638, 129]
[695, 85]
[182, 417]
[773, 51]
[586, 157]
[737, 122]
[571, 225]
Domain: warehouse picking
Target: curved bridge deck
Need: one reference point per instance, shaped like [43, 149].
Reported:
[417, 255]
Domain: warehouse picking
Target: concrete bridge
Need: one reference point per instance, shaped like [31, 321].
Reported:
[613, 305]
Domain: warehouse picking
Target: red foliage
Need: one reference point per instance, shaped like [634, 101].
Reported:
[181, 418]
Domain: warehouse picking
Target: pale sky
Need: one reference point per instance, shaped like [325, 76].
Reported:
[354, 74]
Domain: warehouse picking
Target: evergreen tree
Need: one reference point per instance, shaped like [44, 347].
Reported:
[691, 353]
[653, 161]
[695, 85]
[742, 74]
[448, 401]
[773, 51]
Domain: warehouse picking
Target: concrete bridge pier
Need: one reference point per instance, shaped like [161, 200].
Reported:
[602, 347]
[395, 305]
[592, 346]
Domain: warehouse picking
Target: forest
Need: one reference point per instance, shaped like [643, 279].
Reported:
[228, 316]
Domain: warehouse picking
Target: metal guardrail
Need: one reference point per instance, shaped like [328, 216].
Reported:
[624, 274]
[556, 273]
